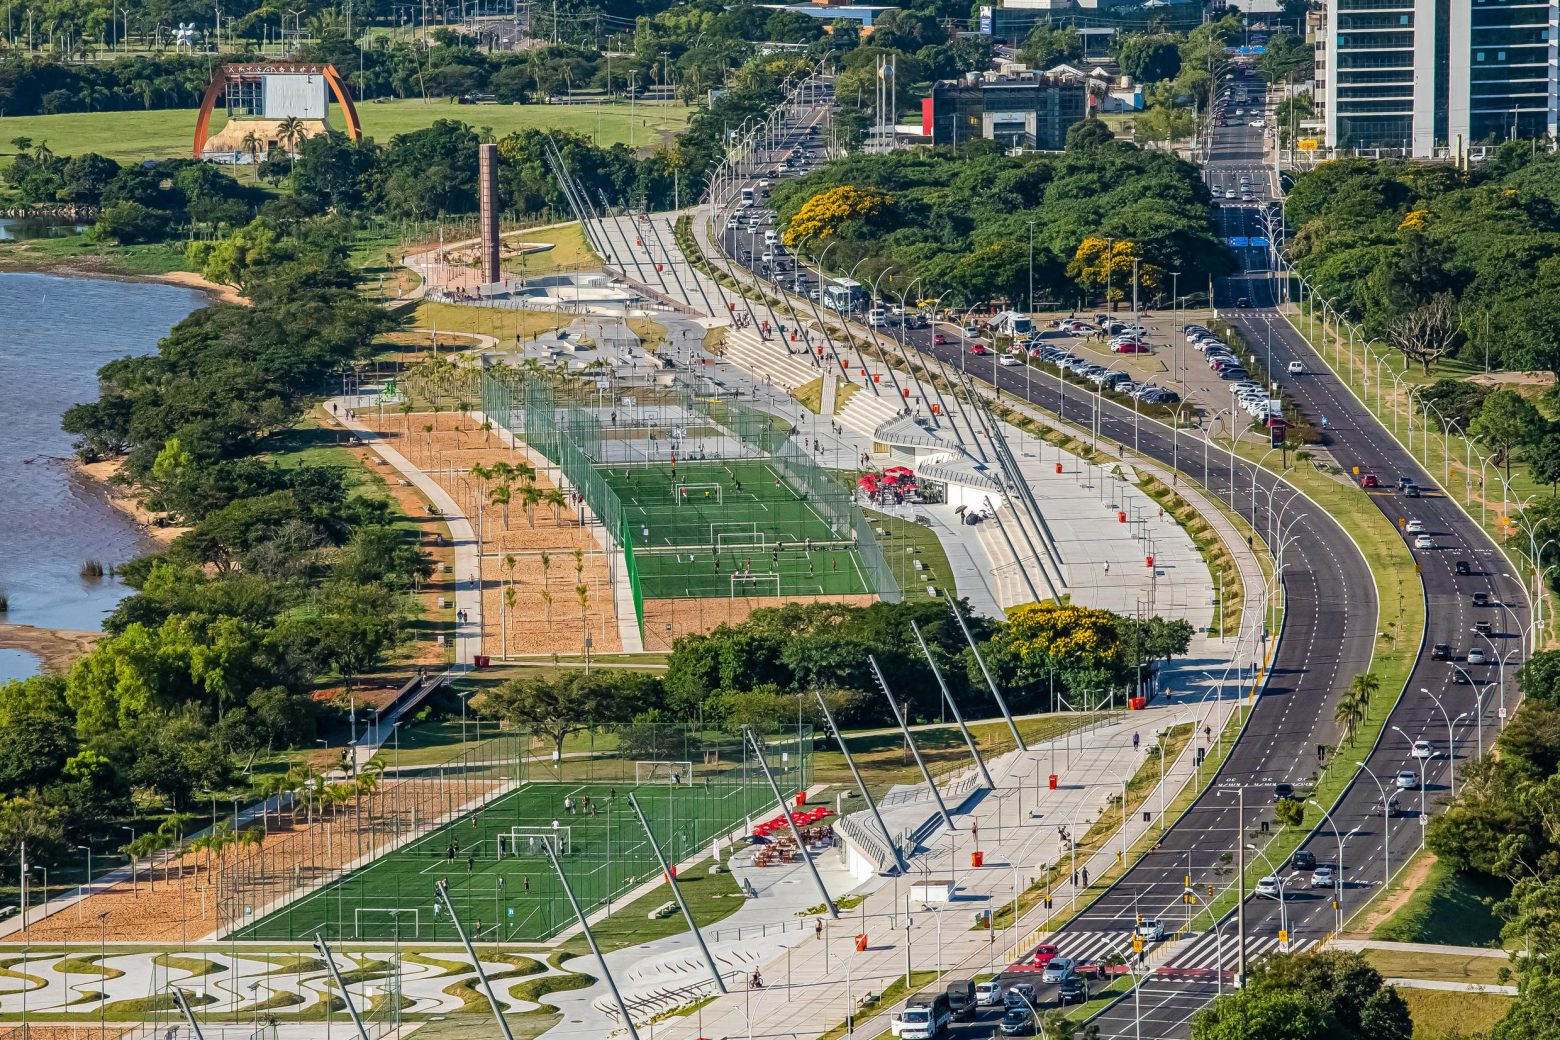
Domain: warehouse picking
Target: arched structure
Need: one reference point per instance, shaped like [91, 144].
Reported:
[253, 79]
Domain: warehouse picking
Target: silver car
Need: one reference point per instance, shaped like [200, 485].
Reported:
[1058, 969]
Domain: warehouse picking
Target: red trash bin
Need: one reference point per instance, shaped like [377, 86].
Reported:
[1052, 781]
[977, 858]
[861, 942]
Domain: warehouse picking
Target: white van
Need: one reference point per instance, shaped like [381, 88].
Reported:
[770, 238]
[877, 317]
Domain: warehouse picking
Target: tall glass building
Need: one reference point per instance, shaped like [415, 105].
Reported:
[1432, 77]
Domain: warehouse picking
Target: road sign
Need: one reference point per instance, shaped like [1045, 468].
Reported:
[1307, 144]
[1259, 242]
[1239, 241]
[1424, 819]
[1137, 944]
[1283, 935]
[1502, 712]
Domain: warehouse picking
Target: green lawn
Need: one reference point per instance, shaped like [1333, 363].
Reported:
[1438, 1014]
[696, 525]
[569, 252]
[514, 895]
[164, 133]
[1449, 907]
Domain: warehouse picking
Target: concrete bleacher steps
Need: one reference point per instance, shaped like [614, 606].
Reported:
[747, 349]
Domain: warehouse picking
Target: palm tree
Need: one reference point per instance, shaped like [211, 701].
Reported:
[291, 132]
[546, 561]
[1349, 714]
[406, 415]
[481, 474]
[529, 497]
[582, 591]
[428, 429]
[556, 499]
[1364, 687]
[547, 605]
[250, 145]
[509, 565]
[500, 496]
[487, 431]
[509, 611]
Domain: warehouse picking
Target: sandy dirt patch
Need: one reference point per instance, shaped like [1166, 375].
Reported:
[179, 898]
[124, 500]
[57, 648]
[1406, 884]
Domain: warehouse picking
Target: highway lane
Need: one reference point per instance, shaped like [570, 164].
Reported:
[1355, 438]
[1329, 631]
[1328, 637]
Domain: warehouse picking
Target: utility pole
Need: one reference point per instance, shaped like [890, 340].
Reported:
[1240, 881]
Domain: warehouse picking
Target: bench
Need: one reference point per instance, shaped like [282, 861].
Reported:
[666, 909]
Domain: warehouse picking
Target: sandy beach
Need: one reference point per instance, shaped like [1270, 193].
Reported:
[57, 648]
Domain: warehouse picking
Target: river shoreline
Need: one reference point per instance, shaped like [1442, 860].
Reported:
[123, 500]
[57, 648]
[15, 258]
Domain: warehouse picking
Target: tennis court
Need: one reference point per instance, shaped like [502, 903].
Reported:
[495, 861]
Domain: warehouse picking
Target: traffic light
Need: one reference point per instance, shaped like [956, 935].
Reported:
[1210, 891]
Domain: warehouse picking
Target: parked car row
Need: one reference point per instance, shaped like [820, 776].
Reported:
[1067, 362]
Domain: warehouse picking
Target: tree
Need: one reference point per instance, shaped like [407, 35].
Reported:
[1148, 58]
[1289, 812]
[1272, 1016]
[1507, 421]
[26, 819]
[232, 260]
[553, 708]
[130, 223]
[1048, 45]
[1426, 335]
[1088, 134]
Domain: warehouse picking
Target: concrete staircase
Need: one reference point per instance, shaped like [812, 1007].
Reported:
[746, 348]
[866, 411]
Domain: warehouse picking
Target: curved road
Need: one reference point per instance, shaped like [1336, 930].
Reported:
[1329, 634]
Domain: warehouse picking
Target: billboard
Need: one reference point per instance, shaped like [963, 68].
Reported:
[985, 21]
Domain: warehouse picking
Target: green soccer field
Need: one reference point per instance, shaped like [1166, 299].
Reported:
[731, 528]
[500, 879]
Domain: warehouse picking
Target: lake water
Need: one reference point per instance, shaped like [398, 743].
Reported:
[14, 229]
[54, 335]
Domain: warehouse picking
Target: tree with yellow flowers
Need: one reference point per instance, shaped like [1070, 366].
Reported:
[1105, 266]
[825, 215]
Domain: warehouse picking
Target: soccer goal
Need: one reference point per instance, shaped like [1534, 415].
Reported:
[385, 922]
[732, 536]
[755, 585]
[532, 841]
[682, 494]
[659, 772]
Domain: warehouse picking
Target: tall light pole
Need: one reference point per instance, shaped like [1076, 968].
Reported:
[1451, 745]
[1386, 817]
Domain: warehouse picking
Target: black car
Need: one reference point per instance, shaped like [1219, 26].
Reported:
[1411, 491]
[1481, 599]
[1404, 483]
[1283, 791]
[1460, 677]
[1441, 652]
[1462, 567]
[1018, 1021]
[1303, 860]
[1072, 990]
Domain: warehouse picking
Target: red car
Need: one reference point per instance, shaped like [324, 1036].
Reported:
[979, 349]
[1368, 480]
[939, 339]
[1043, 955]
[1130, 347]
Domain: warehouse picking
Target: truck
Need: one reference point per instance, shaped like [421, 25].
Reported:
[962, 1003]
[924, 1017]
[1011, 323]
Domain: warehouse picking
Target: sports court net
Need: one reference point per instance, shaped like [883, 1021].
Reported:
[697, 486]
[695, 787]
[663, 772]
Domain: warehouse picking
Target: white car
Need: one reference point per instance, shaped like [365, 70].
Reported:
[1415, 527]
[1323, 877]
[1260, 124]
[988, 994]
[1008, 361]
[1475, 655]
[1422, 749]
[1424, 541]
[1268, 887]
[1407, 780]
[1296, 368]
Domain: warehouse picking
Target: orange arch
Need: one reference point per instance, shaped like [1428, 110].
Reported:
[224, 75]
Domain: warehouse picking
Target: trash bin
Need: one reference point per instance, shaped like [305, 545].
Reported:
[1052, 782]
[977, 858]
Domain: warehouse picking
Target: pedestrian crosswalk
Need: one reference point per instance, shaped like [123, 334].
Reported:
[1194, 957]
